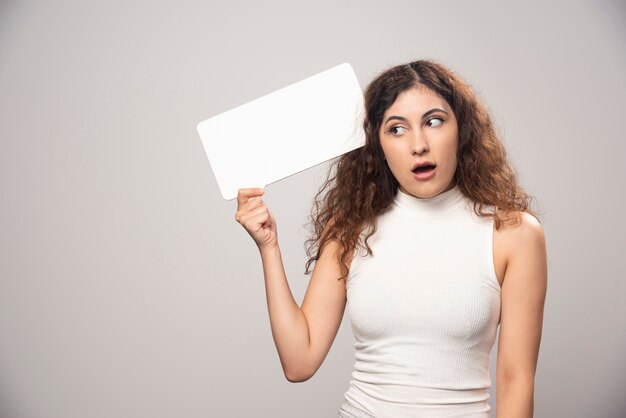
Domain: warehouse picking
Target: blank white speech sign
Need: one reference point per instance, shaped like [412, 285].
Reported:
[286, 131]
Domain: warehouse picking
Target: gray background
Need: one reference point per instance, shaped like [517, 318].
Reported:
[127, 289]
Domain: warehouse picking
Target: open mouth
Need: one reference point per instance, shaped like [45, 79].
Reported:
[424, 168]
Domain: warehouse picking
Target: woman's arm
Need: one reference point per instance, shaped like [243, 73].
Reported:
[523, 296]
[302, 335]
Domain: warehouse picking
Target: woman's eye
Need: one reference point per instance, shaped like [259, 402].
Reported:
[440, 121]
[393, 129]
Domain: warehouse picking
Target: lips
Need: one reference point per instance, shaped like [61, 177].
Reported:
[422, 167]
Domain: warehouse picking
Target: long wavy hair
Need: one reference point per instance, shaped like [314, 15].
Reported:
[360, 186]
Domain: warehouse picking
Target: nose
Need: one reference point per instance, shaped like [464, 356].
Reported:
[419, 145]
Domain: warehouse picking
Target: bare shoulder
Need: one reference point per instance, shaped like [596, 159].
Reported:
[520, 228]
[520, 239]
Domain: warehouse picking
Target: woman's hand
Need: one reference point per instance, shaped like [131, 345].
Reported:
[256, 218]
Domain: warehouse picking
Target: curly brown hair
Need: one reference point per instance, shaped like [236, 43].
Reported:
[361, 186]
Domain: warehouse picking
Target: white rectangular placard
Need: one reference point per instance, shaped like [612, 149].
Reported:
[285, 132]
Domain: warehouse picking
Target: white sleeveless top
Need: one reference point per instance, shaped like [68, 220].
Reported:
[424, 310]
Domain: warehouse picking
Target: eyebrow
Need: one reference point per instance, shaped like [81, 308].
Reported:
[423, 116]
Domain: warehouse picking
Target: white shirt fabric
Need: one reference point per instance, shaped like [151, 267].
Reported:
[424, 310]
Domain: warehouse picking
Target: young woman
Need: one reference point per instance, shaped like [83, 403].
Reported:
[426, 232]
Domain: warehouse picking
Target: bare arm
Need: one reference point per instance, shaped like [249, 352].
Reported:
[302, 335]
[523, 298]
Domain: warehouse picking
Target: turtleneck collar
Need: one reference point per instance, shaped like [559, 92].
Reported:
[432, 206]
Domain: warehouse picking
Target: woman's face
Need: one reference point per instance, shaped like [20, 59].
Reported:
[420, 127]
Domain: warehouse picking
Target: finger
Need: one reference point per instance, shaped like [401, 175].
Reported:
[260, 220]
[252, 204]
[249, 217]
[245, 208]
[243, 195]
